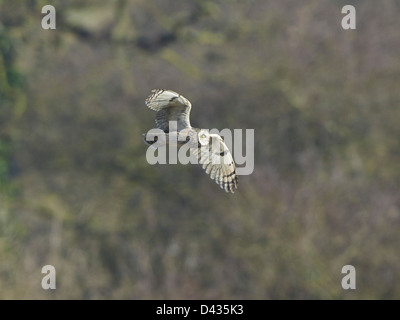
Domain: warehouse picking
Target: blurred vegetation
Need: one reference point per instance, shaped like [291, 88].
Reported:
[76, 191]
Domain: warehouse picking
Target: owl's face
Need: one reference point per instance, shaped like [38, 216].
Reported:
[204, 137]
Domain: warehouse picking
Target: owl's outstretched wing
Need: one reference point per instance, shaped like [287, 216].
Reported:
[218, 162]
[170, 106]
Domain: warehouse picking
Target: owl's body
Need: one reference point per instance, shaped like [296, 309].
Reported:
[173, 118]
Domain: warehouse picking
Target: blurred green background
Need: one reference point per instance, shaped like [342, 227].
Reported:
[77, 193]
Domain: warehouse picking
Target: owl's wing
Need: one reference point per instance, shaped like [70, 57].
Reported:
[170, 106]
[218, 162]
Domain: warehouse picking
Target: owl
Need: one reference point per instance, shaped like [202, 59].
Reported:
[210, 149]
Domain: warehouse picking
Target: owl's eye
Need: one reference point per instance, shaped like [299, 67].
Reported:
[203, 136]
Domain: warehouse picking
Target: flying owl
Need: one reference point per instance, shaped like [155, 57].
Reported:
[210, 149]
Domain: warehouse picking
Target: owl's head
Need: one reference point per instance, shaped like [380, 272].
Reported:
[204, 137]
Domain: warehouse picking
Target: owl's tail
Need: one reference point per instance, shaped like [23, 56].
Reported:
[149, 140]
[163, 139]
